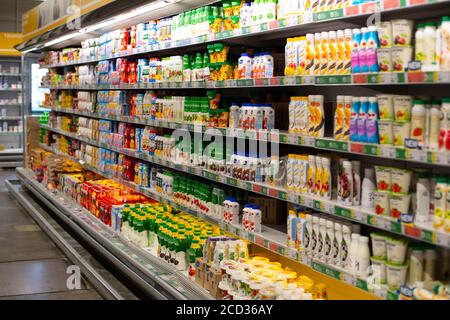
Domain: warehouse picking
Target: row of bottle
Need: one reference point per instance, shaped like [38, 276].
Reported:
[261, 65]
[249, 218]
[307, 115]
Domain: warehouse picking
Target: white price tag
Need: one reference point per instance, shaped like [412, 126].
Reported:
[385, 78]
[291, 253]
[309, 141]
[387, 151]
[256, 28]
[307, 201]
[237, 32]
[305, 259]
[290, 81]
[308, 80]
[231, 83]
[380, 291]
[444, 77]
[350, 279]
[307, 17]
[292, 139]
[442, 239]
[292, 21]
[292, 197]
[417, 155]
[384, 223]
[441, 158]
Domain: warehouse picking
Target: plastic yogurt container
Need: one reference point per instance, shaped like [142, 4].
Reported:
[383, 178]
[402, 32]
[386, 106]
[400, 180]
[396, 250]
[399, 204]
[378, 245]
[378, 269]
[395, 275]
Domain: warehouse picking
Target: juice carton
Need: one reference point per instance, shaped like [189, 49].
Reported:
[347, 51]
[317, 53]
[340, 52]
[309, 68]
[347, 117]
[324, 53]
[339, 118]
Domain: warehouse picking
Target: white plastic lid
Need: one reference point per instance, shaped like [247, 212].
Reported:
[356, 30]
[337, 226]
[330, 224]
[369, 173]
[315, 219]
[355, 236]
[322, 221]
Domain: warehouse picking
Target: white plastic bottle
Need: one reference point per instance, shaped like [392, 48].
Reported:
[314, 236]
[423, 188]
[308, 233]
[368, 188]
[429, 43]
[328, 243]
[345, 246]
[418, 116]
[363, 256]
[321, 238]
[346, 187]
[440, 202]
[416, 266]
[356, 169]
[430, 264]
[336, 244]
[234, 116]
[434, 129]
[352, 260]
[419, 45]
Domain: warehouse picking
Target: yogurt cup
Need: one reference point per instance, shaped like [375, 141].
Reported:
[378, 245]
[378, 269]
[384, 57]
[401, 180]
[399, 205]
[396, 250]
[400, 58]
[402, 31]
[386, 106]
[385, 131]
[383, 178]
[395, 275]
[401, 131]
[384, 30]
[402, 108]
[381, 202]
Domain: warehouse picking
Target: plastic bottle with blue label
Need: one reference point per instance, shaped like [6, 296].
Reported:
[354, 57]
[356, 105]
[372, 44]
[363, 66]
[362, 117]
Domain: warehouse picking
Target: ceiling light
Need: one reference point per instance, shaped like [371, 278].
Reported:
[63, 38]
[29, 50]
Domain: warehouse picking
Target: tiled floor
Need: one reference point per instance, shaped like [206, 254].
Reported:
[31, 267]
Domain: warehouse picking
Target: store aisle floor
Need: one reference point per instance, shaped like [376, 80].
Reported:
[31, 266]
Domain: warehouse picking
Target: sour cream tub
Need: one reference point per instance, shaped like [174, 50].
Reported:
[378, 269]
[399, 205]
[402, 108]
[400, 58]
[381, 203]
[401, 131]
[385, 131]
[402, 31]
[395, 275]
[386, 106]
[384, 57]
[378, 245]
[396, 250]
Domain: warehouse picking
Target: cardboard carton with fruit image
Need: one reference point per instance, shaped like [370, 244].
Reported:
[401, 180]
[401, 132]
[381, 203]
[399, 205]
[384, 58]
[383, 178]
[385, 34]
[400, 58]
[402, 31]
[385, 131]
[402, 108]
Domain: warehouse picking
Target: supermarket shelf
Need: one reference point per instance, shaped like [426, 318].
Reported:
[369, 79]
[10, 164]
[10, 133]
[10, 105]
[167, 282]
[16, 151]
[10, 75]
[9, 89]
[269, 238]
[332, 207]
[279, 28]
[63, 241]
[441, 158]
[11, 118]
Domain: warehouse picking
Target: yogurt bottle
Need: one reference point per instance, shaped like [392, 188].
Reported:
[245, 66]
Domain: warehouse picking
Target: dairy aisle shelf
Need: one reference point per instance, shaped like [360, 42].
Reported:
[11, 118]
[381, 78]
[276, 27]
[426, 234]
[10, 75]
[10, 133]
[172, 281]
[282, 137]
[269, 238]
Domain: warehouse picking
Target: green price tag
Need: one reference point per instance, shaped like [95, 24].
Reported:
[396, 227]
[317, 205]
[427, 235]
[400, 154]
[264, 190]
[343, 212]
[282, 195]
[371, 150]
[232, 182]
[361, 284]
[248, 186]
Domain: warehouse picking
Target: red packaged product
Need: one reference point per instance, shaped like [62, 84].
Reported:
[124, 39]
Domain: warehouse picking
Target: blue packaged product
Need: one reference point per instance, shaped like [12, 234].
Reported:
[372, 131]
[362, 117]
[356, 105]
